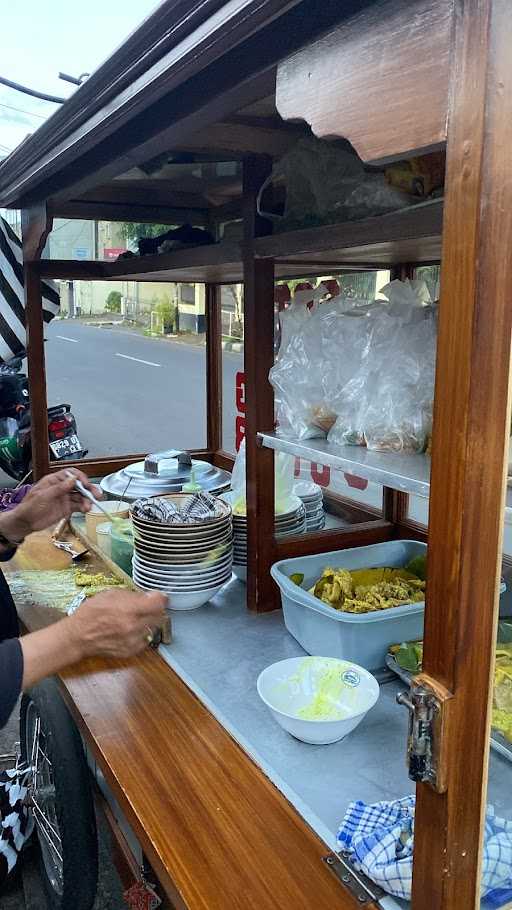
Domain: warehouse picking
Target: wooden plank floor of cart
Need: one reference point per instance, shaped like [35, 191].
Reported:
[217, 833]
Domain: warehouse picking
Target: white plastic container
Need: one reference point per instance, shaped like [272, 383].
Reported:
[362, 638]
[104, 538]
[97, 516]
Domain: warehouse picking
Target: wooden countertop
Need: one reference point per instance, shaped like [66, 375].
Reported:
[218, 834]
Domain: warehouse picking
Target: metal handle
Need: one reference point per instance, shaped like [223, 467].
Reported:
[152, 462]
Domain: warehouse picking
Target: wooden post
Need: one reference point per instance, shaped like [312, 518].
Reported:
[470, 440]
[262, 594]
[213, 368]
[36, 225]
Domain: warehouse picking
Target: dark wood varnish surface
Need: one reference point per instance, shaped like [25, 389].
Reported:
[470, 440]
[216, 831]
[379, 78]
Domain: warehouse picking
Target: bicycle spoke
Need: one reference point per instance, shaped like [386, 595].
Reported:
[48, 831]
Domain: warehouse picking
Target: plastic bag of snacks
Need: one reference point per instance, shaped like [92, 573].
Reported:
[387, 404]
[320, 351]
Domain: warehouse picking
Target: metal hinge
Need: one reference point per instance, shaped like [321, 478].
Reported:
[425, 710]
[364, 890]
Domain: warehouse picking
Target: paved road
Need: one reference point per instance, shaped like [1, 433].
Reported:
[130, 393]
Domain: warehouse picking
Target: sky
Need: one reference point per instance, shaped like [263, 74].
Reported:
[39, 39]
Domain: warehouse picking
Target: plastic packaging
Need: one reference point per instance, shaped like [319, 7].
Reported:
[387, 404]
[323, 183]
[363, 638]
[284, 479]
[320, 350]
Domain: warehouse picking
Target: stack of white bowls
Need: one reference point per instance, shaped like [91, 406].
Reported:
[290, 521]
[313, 499]
[190, 562]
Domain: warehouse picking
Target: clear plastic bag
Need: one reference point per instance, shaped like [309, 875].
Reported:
[399, 413]
[321, 351]
[297, 373]
[326, 182]
[388, 403]
[317, 176]
[284, 478]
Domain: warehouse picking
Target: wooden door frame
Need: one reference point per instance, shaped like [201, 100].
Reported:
[470, 441]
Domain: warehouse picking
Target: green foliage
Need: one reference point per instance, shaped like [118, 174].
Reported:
[113, 302]
[167, 311]
[132, 230]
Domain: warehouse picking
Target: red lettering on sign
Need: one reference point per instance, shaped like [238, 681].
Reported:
[358, 483]
[240, 392]
[321, 474]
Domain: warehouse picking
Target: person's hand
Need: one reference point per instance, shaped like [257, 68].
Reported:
[116, 623]
[52, 498]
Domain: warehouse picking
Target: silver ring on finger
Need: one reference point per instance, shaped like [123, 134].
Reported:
[149, 637]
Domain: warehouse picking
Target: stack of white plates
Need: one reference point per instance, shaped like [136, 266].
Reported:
[311, 495]
[189, 562]
[288, 523]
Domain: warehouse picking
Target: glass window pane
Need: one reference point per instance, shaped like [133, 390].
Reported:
[134, 383]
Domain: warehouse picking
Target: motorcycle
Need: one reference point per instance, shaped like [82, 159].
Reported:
[15, 425]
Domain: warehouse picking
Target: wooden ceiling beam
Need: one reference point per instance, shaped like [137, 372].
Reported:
[146, 214]
[240, 139]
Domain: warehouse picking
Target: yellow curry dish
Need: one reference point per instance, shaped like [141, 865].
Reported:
[368, 590]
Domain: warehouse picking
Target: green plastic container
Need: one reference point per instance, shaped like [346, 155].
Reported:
[122, 544]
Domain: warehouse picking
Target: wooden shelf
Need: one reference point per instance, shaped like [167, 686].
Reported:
[409, 473]
[411, 235]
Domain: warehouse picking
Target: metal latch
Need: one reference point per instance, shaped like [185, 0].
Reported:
[424, 711]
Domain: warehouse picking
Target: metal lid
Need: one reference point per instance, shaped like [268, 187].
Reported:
[165, 472]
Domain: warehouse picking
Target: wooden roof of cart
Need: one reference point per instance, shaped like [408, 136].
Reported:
[199, 79]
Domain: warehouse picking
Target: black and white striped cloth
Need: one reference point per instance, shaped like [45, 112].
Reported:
[13, 336]
[16, 822]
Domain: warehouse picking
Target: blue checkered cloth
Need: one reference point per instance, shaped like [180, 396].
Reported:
[380, 841]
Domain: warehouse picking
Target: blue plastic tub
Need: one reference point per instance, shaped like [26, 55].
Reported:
[362, 638]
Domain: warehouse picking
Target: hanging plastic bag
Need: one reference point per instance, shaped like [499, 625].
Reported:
[399, 413]
[284, 467]
[297, 373]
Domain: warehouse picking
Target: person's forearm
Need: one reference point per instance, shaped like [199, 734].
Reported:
[14, 528]
[48, 651]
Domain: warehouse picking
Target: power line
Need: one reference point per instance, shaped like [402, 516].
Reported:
[31, 91]
[21, 111]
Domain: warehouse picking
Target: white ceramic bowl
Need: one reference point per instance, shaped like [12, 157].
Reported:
[183, 581]
[182, 568]
[334, 695]
[164, 543]
[179, 533]
[180, 500]
[189, 600]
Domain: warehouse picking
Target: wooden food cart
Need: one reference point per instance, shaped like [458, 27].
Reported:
[243, 81]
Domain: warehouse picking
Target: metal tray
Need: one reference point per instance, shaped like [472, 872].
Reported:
[498, 742]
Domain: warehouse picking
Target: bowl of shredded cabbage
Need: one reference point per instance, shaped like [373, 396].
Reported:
[318, 700]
